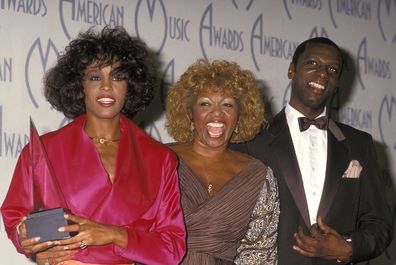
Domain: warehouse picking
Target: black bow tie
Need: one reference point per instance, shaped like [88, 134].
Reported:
[320, 123]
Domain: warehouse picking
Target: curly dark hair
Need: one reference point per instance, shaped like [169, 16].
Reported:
[220, 75]
[63, 84]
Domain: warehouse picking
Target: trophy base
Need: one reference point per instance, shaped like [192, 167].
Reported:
[45, 224]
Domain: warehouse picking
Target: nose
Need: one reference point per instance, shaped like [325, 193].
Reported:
[106, 84]
[323, 72]
[217, 110]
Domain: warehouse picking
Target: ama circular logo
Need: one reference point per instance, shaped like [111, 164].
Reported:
[167, 79]
[39, 57]
[386, 19]
[387, 121]
[243, 4]
[150, 16]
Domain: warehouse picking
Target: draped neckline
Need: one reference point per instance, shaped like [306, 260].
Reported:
[99, 159]
[233, 178]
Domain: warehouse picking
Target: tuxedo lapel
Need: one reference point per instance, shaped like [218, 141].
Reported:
[281, 146]
[337, 162]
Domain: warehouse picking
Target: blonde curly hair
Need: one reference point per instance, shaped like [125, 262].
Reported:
[220, 75]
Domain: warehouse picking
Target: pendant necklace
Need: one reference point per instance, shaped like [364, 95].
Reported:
[210, 188]
[103, 141]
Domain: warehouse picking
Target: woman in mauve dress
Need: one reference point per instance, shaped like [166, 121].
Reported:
[120, 185]
[229, 200]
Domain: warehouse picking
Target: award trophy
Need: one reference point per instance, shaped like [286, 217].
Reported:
[49, 204]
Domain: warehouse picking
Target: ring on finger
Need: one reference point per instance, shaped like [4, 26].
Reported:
[83, 245]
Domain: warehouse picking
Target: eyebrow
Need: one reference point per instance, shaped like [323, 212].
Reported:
[313, 56]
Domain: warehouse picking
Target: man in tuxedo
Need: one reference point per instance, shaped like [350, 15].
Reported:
[333, 206]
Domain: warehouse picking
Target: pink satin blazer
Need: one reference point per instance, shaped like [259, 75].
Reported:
[144, 197]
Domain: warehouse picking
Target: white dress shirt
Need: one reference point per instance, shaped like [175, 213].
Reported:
[311, 151]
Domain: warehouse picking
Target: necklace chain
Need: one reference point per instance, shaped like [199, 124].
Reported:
[103, 140]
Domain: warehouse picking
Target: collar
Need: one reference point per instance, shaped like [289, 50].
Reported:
[292, 116]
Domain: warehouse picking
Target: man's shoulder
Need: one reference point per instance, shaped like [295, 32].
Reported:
[351, 132]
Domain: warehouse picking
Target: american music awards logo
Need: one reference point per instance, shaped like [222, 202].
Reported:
[293, 5]
[159, 104]
[11, 143]
[243, 4]
[361, 10]
[6, 69]
[267, 45]
[45, 54]
[215, 38]
[387, 121]
[369, 66]
[31, 7]
[40, 57]
[167, 79]
[318, 32]
[386, 19]
[74, 13]
[150, 16]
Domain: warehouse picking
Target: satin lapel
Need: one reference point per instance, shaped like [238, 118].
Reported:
[337, 162]
[79, 158]
[281, 146]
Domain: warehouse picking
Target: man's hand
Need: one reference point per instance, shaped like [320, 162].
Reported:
[324, 242]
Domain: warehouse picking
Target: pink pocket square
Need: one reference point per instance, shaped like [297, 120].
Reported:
[353, 170]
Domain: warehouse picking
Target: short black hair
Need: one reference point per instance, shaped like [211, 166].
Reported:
[63, 83]
[321, 40]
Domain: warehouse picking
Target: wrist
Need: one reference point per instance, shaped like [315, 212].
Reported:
[347, 257]
[120, 237]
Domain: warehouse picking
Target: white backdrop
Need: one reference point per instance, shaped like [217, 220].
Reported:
[261, 35]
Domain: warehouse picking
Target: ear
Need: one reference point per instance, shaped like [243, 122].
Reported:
[291, 71]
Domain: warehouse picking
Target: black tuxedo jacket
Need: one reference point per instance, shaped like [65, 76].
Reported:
[353, 206]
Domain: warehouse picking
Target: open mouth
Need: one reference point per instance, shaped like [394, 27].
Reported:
[106, 101]
[215, 129]
[316, 85]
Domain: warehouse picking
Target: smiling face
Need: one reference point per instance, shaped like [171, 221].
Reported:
[104, 92]
[215, 115]
[314, 78]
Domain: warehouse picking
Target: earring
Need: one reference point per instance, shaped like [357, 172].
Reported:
[236, 130]
[192, 127]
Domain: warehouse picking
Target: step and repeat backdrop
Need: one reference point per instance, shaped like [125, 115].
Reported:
[260, 35]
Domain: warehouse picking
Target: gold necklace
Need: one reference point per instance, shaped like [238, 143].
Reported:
[103, 140]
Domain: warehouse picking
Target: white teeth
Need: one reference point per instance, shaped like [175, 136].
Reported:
[106, 100]
[316, 85]
[215, 124]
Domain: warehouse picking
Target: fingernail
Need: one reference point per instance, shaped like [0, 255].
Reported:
[61, 229]
[50, 243]
[66, 215]
[24, 218]
[65, 248]
[37, 239]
